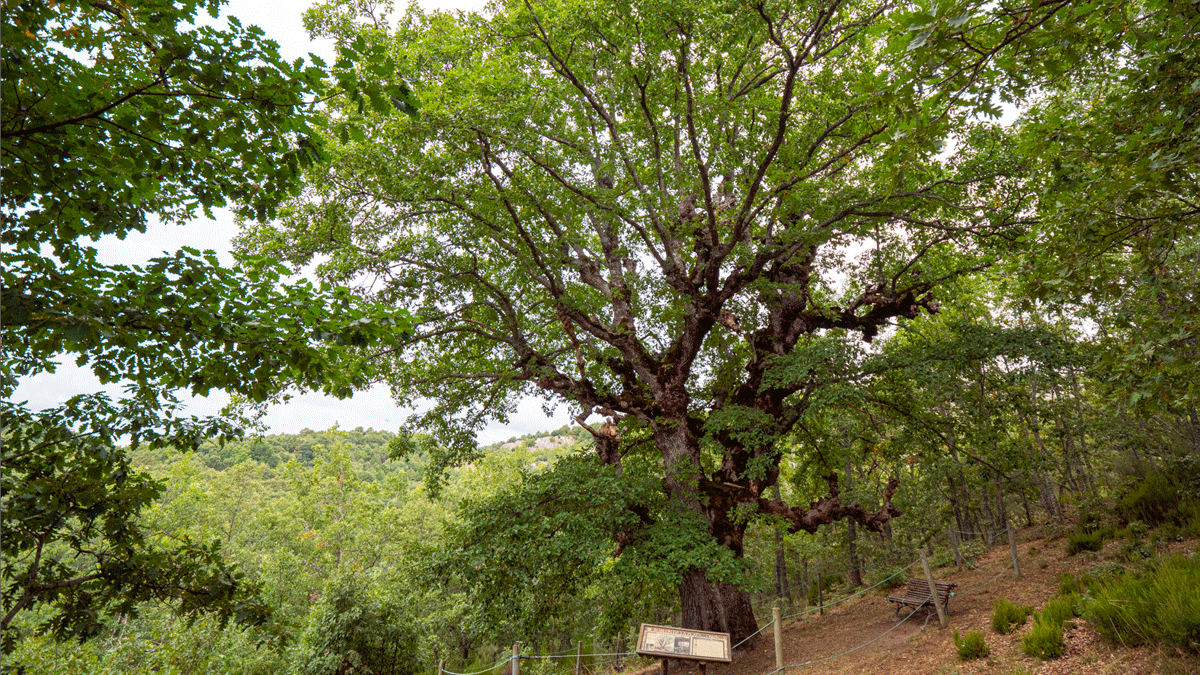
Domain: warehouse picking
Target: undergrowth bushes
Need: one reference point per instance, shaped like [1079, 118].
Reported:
[1165, 494]
[1078, 542]
[971, 646]
[1006, 616]
[1161, 605]
[1045, 640]
[1062, 608]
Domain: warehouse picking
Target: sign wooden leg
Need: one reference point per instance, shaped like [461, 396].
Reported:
[663, 666]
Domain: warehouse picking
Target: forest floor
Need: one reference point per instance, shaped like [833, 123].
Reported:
[860, 636]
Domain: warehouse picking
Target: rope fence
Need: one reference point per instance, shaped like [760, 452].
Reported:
[802, 588]
[480, 672]
[977, 533]
[848, 651]
[830, 604]
[613, 657]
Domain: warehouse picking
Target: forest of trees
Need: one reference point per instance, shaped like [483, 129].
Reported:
[812, 306]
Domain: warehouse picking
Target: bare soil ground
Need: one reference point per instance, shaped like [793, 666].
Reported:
[860, 635]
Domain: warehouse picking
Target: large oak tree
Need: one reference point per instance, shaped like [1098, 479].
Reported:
[669, 216]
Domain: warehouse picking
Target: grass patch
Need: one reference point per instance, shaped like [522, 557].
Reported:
[1045, 641]
[971, 646]
[1069, 583]
[1062, 608]
[1006, 616]
[1078, 542]
[1159, 606]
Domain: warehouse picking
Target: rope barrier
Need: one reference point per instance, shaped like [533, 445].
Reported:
[480, 672]
[1001, 572]
[814, 609]
[975, 532]
[570, 655]
[850, 651]
[769, 623]
[803, 590]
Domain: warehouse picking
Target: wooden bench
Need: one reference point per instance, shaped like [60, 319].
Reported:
[917, 595]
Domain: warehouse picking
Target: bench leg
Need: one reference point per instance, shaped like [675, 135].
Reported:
[896, 616]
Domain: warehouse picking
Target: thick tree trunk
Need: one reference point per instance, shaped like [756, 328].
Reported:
[717, 607]
[721, 606]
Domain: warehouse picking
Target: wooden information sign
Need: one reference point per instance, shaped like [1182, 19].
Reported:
[666, 642]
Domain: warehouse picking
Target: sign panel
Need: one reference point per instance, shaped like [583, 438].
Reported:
[666, 642]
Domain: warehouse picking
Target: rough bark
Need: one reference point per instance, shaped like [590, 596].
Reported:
[719, 607]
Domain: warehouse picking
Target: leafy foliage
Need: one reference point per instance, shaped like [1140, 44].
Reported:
[71, 505]
[350, 630]
[185, 118]
[112, 114]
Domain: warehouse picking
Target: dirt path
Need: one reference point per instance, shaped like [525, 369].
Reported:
[860, 636]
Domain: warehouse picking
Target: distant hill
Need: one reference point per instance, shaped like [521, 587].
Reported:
[366, 448]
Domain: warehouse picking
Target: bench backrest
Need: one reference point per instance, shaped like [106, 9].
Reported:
[918, 590]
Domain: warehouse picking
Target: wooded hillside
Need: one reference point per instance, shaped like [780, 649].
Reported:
[811, 306]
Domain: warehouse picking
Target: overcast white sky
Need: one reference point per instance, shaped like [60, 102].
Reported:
[281, 21]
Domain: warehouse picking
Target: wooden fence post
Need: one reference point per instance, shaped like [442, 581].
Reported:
[778, 636]
[937, 600]
[579, 659]
[516, 659]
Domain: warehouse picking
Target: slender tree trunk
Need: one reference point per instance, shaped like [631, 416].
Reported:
[1084, 453]
[852, 533]
[887, 533]
[993, 518]
[1025, 503]
[852, 546]
[782, 589]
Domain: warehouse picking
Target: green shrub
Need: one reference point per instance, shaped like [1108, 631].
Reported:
[1061, 609]
[1089, 521]
[1151, 499]
[1045, 641]
[352, 629]
[893, 578]
[1189, 518]
[972, 646]
[1134, 551]
[1162, 605]
[1081, 541]
[1069, 583]
[1006, 616]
